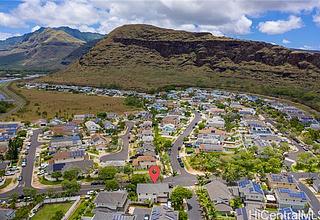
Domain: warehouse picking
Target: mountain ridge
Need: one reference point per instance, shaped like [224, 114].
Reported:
[43, 49]
[146, 57]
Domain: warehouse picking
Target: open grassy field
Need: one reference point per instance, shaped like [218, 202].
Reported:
[48, 210]
[48, 104]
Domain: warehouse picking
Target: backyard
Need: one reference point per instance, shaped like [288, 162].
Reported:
[48, 211]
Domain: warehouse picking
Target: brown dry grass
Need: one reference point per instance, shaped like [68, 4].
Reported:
[64, 104]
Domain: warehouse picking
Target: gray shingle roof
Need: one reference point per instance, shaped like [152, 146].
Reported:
[112, 216]
[152, 188]
[117, 199]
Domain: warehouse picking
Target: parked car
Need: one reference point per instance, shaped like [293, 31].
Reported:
[20, 178]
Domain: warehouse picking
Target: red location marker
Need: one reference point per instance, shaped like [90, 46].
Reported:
[154, 173]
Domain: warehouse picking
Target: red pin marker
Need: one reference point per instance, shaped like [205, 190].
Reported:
[154, 173]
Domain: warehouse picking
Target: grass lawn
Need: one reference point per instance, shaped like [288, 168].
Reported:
[6, 183]
[44, 181]
[41, 104]
[48, 211]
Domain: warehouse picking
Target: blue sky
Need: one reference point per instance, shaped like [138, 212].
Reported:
[294, 23]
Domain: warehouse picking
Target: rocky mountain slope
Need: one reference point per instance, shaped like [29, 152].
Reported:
[43, 49]
[146, 57]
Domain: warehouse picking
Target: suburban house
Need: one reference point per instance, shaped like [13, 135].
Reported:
[116, 201]
[146, 125]
[247, 111]
[69, 129]
[215, 111]
[251, 193]
[146, 136]
[146, 149]
[168, 129]
[220, 195]
[211, 147]
[216, 122]
[112, 216]
[283, 180]
[99, 141]
[163, 213]
[66, 160]
[288, 198]
[171, 119]
[108, 125]
[84, 166]
[209, 142]
[64, 142]
[156, 193]
[144, 162]
[8, 130]
[92, 127]
[68, 156]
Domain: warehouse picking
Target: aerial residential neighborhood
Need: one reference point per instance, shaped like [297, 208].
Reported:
[226, 156]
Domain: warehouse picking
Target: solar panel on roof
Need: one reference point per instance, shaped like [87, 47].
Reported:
[58, 166]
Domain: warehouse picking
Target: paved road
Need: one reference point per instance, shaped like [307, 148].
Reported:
[123, 154]
[194, 209]
[179, 142]
[28, 169]
[184, 178]
[18, 101]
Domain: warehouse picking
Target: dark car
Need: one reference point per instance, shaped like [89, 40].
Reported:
[95, 183]
[20, 178]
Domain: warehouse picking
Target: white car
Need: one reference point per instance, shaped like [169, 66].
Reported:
[41, 172]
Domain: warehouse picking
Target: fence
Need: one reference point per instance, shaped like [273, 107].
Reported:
[57, 200]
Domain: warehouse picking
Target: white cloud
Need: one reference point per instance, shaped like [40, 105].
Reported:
[280, 26]
[35, 28]
[286, 41]
[4, 36]
[316, 18]
[219, 16]
[8, 20]
[307, 47]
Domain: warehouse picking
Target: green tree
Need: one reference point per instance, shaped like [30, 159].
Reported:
[56, 175]
[183, 215]
[30, 192]
[107, 173]
[13, 148]
[122, 178]
[111, 185]
[178, 194]
[71, 187]
[71, 174]
[2, 173]
[138, 178]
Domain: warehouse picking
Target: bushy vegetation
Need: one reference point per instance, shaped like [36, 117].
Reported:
[133, 101]
[4, 106]
[244, 163]
[14, 149]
